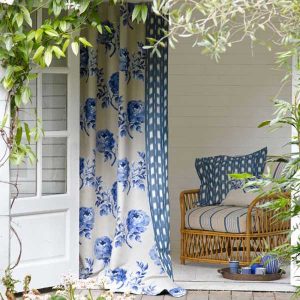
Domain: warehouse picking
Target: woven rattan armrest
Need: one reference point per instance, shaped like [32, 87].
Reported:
[264, 220]
[188, 200]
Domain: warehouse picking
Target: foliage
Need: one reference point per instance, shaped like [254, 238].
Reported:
[68, 290]
[286, 114]
[9, 282]
[24, 49]
[215, 25]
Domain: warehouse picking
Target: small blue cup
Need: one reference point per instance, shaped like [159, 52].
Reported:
[246, 270]
[255, 266]
[234, 266]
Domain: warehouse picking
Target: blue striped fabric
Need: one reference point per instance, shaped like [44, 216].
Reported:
[156, 127]
[217, 218]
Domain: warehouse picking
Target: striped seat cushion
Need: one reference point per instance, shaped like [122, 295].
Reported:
[217, 218]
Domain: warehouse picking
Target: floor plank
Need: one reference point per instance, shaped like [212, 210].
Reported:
[263, 296]
[283, 296]
[237, 295]
[219, 295]
[197, 295]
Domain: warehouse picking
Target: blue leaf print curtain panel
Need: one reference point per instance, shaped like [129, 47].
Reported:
[116, 228]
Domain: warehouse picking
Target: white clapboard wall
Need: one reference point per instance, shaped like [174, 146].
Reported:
[215, 108]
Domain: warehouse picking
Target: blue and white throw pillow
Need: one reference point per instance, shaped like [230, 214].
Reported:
[213, 173]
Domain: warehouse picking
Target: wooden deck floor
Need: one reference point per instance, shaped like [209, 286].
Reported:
[224, 295]
[214, 295]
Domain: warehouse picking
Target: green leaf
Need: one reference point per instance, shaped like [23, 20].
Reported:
[16, 158]
[56, 297]
[264, 123]
[56, 9]
[38, 34]
[38, 53]
[63, 25]
[144, 12]
[136, 12]
[31, 156]
[19, 135]
[26, 15]
[85, 42]
[107, 28]
[58, 52]
[148, 47]
[8, 83]
[26, 94]
[48, 56]
[19, 19]
[8, 43]
[4, 121]
[66, 45]
[27, 131]
[83, 6]
[18, 100]
[75, 48]
[32, 76]
[52, 32]
[188, 16]
[18, 68]
[19, 37]
[99, 28]
[241, 176]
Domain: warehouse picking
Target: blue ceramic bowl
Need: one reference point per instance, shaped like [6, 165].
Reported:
[254, 266]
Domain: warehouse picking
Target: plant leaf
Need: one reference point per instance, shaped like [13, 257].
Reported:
[136, 12]
[48, 56]
[26, 15]
[75, 48]
[19, 135]
[264, 123]
[85, 42]
[27, 131]
[38, 53]
[58, 52]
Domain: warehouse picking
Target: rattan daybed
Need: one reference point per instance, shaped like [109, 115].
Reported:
[263, 232]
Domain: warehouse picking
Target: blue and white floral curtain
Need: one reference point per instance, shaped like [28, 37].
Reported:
[116, 227]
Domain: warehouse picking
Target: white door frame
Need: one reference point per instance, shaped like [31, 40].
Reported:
[58, 205]
[4, 188]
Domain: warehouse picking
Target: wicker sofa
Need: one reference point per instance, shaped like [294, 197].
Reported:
[262, 232]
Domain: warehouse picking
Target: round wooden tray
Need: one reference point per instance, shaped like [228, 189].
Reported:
[250, 277]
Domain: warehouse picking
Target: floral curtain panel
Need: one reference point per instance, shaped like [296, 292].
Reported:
[116, 229]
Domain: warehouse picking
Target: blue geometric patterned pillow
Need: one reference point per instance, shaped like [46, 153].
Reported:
[213, 173]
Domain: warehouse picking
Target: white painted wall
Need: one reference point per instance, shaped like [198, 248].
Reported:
[214, 108]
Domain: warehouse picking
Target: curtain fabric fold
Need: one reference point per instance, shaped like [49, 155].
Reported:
[156, 99]
[117, 216]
